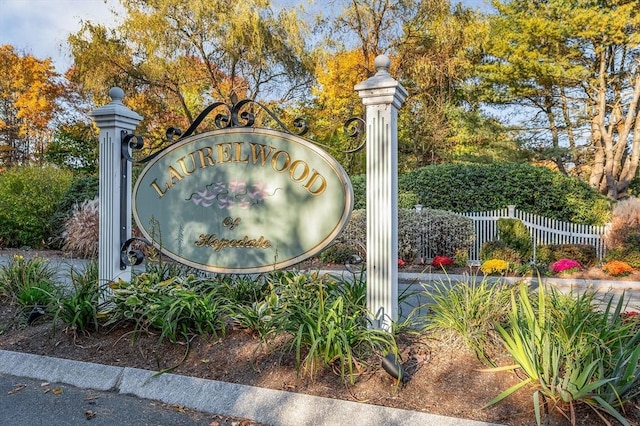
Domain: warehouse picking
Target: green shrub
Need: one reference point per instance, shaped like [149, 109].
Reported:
[499, 250]
[355, 232]
[582, 253]
[359, 184]
[629, 255]
[461, 257]
[438, 232]
[407, 199]
[481, 187]
[28, 199]
[446, 232]
[81, 189]
[338, 253]
[516, 235]
[410, 229]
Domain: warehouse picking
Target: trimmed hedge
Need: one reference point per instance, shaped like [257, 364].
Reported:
[28, 199]
[481, 187]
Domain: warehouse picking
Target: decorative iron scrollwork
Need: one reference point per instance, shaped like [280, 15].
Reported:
[130, 141]
[129, 257]
[240, 115]
[236, 115]
[355, 128]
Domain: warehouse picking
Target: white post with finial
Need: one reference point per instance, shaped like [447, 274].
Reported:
[113, 120]
[382, 96]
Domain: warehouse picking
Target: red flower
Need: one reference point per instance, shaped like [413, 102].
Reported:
[401, 262]
[441, 261]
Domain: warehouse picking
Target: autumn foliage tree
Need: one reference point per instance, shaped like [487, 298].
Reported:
[433, 47]
[334, 102]
[29, 90]
[173, 58]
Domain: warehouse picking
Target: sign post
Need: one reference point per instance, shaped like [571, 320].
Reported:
[382, 97]
[114, 121]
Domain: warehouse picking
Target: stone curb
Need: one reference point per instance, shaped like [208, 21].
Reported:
[273, 407]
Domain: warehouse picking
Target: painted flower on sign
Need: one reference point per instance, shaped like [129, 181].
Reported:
[236, 193]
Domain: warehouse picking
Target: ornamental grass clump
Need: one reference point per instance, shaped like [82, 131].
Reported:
[565, 266]
[466, 313]
[616, 268]
[30, 282]
[494, 266]
[80, 234]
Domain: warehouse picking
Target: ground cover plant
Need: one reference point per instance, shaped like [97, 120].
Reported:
[310, 332]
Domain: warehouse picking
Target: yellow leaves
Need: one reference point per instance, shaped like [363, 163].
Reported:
[337, 75]
[29, 91]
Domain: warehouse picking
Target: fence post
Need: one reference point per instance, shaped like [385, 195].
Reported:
[114, 120]
[382, 97]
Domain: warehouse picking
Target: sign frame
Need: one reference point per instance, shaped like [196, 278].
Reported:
[306, 178]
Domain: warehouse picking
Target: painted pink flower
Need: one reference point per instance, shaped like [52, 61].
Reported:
[257, 191]
[237, 186]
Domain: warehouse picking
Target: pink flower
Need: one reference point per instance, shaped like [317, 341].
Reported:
[401, 262]
[565, 265]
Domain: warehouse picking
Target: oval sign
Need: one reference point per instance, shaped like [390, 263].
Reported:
[242, 200]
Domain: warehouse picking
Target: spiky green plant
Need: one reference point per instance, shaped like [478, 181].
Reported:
[328, 323]
[80, 309]
[28, 281]
[467, 312]
[571, 351]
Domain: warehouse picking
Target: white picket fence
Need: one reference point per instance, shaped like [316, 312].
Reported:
[543, 230]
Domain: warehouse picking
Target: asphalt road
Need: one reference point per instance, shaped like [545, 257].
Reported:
[29, 402]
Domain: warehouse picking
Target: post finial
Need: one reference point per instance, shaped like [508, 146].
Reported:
[116, 94]
[382, 64]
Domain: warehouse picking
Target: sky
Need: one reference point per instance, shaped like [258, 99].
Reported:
[41, 27]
